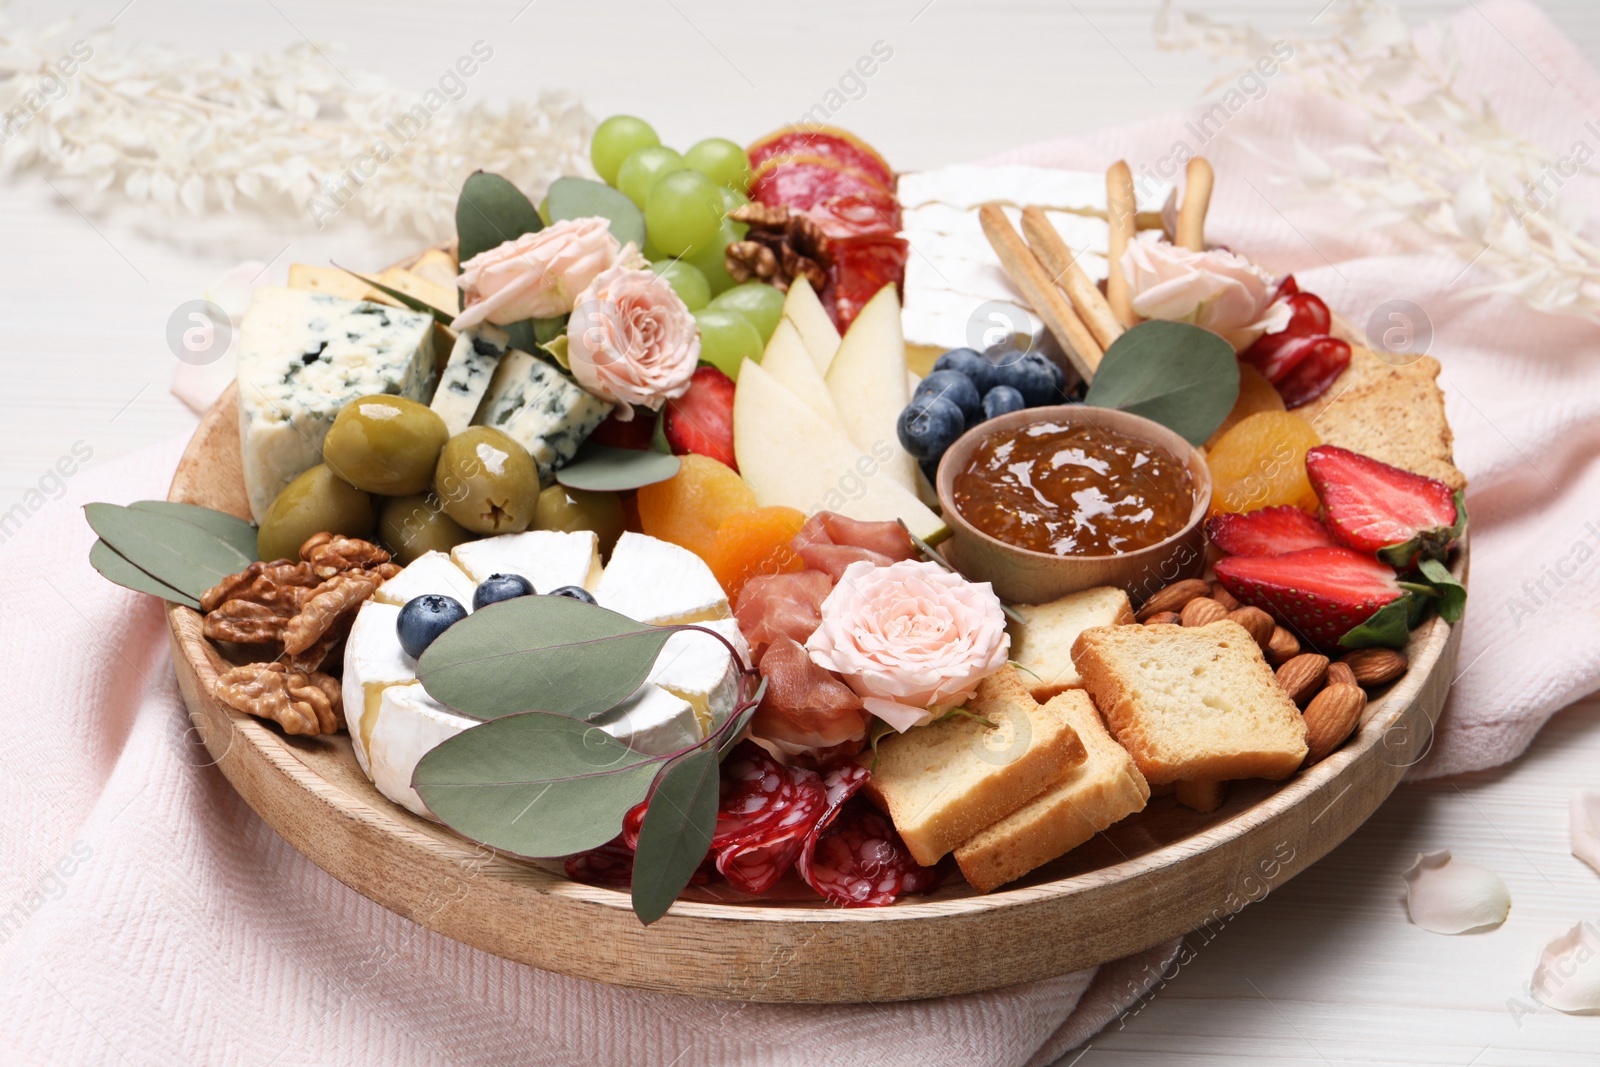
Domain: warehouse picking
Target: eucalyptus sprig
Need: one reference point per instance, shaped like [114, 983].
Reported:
[169, 550]
[1180, 375]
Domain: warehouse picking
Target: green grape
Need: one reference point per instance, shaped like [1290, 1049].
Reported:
[732, 199]
[690, 285]
[544, 211]
[618, 138]
[683, 212]
[711, 260]
[759, 302]
[642, 168]
[727, 338]
[722, 161]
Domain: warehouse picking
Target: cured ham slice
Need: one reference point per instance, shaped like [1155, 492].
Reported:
[830, 542]
[805, 705]
[771, 606]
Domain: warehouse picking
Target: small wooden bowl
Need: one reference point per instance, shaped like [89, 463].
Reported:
[1024, 576]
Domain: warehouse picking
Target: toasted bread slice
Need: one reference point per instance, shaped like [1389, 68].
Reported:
[1105, 788]
[1041, 646]
[1391, 413]
[1203, 797]
[1192, 703]
[943, 782]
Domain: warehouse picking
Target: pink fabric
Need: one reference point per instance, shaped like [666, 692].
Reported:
[147, 916]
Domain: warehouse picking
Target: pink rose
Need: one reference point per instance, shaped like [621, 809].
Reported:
[1225, 293]
[632, 340]
[911, 638]
[537, 275]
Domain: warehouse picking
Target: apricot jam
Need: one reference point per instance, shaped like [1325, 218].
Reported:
[1074, 490]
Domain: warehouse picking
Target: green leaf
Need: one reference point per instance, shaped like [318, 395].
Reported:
[1179, 375]
[557, 350]
[581, 198]
[441, 317]
[601, 468]
[730, 736]
[676, 833]
[240, 533]
[1451, 593]
[544, 653]
[490, 212]
[175, 552]
[534, 784]
[658, 436]
[116, 569]
[1387, 627]
[545, 331]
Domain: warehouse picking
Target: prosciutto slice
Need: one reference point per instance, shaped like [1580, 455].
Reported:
[773, 606]
[805, 705]
[830, 542]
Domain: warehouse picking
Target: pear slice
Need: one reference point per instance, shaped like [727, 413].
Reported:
[868, 381]
[821, 337]
[791, 458]
[788, 360]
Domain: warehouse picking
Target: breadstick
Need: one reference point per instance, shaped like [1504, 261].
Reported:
[1196, 199]
[1060, 261]
[1121, 212]
[1034, 281]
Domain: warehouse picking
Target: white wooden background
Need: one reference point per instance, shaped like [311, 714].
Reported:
[1326, 969]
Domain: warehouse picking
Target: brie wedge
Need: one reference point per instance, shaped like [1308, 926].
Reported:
[660, 583]
[409, 724]
[652, 721]
[431, 572]
[549, 559]
[697, 668]
[373, 661]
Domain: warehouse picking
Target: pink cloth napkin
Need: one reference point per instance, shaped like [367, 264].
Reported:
[147, 916]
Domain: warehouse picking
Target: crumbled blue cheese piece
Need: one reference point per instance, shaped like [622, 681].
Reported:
[466, 376]
[541, 409]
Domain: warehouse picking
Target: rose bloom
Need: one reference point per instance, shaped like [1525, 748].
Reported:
[632, 340]
[537, 275]
[911, 638]
[1225, 293]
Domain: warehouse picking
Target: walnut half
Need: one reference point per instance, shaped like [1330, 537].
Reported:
[307, 703]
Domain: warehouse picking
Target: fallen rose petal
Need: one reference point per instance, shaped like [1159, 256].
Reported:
[1446, 897]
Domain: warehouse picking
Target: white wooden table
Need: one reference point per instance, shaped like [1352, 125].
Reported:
[1326, 969]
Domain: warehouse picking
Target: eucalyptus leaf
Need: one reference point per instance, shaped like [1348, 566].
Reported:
[116, 569]
[443, 318]
[581, 198]
[658, 436]
[540, 653]
[731, 736]
[240, 533]
[601, 468]
[676, 833]
[175, 552]
[490, 212]
[1451, 593]
[534, 784]
[1181, 376]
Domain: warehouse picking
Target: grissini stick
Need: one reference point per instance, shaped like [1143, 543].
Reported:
[1121, 211]
[1060, 261]
[1196, 199]
[1037, 288]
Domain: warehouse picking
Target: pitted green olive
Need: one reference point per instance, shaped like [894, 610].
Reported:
[385, 444]
[487, 482]
[316, 501]
[412, 525]
[566, 509]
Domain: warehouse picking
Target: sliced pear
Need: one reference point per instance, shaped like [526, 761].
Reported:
[788, 360]
[802, 308]
[791, 458]
[868, 381]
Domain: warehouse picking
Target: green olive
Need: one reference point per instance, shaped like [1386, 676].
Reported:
[487, 481]
[560, 508]
[318, 500]
[412, 525]
[385, 444]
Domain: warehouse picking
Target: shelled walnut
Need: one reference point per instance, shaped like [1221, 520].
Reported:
[780, 246]
[302, 702]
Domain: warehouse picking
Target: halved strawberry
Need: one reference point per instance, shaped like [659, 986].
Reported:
[1333, 597]
[701, 420]
[1398, 516]
[1272, 531]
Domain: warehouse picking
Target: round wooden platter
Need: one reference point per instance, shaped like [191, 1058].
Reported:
[1161, 873]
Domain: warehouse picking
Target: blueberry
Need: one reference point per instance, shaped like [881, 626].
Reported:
[968, 362]
[1030, 373]
[930, 471]
[928, 425]
[956, 387]
[1002, 400]
[498, 587]
[575, 592]
[425, 618]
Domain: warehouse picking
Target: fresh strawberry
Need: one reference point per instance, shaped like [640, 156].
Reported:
[1333, 597]
[1272, 531]
[635, 433]
[701, 420]
[1398, 516]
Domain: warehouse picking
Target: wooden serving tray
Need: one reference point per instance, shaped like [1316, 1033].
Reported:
[1158, 874]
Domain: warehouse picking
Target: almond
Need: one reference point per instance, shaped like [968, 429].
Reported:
[1341, 674]
[1330, 718]
[1173, 597]
[1302, 676]
[1202, 611]
[1258, 622]
[1283, 646]
[1223, 597]
[1375, 666]
[1162, 618]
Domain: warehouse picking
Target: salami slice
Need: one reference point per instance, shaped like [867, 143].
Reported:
[858, 860]
[631, 823]
[610, 865]
[861, 267]
[764, 814]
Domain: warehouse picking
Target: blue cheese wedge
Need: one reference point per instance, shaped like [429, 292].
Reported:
[465, 379]
[550, 559]
[302, 357]
[431, 572]
[660, 583]
[541, 409]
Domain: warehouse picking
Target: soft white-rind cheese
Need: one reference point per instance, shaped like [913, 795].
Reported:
[652, 721]
[541, 409]
[465, 379]
[431, 572]
[698, 668]
[549, 559]
[658, 582]
[373, 661]
[302, 357]
[409, 725]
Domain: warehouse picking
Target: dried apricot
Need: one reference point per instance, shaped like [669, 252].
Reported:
[1262, 462]
[1256, 394]
[687, 508]
[750, 543]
